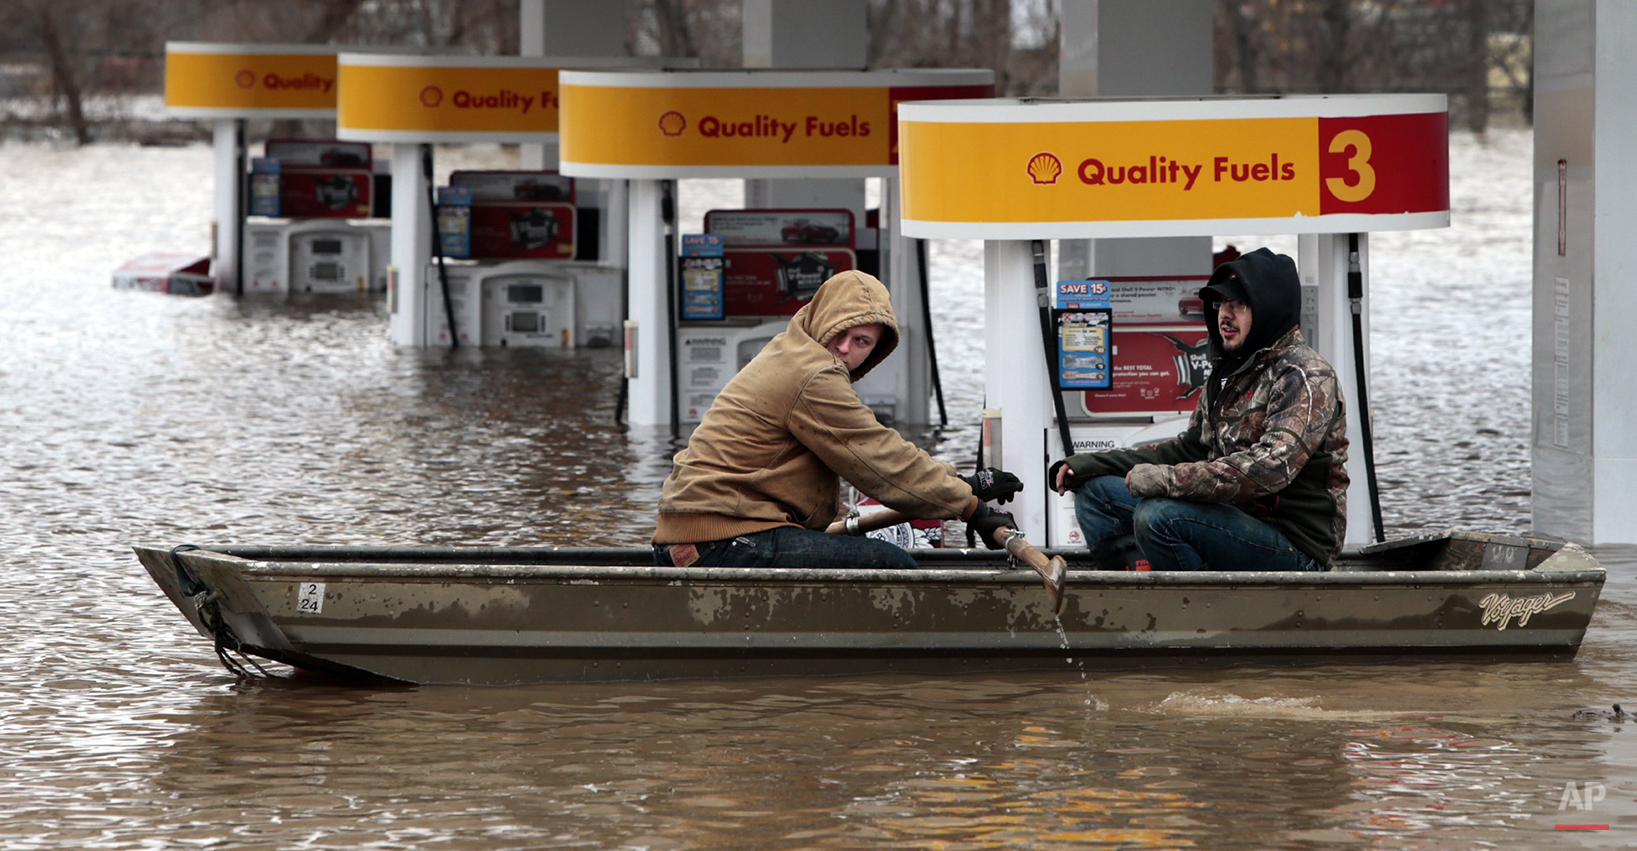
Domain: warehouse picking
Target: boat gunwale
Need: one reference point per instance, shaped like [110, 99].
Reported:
[986, 572]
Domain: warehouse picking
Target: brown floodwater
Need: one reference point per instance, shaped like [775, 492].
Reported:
[133, 418]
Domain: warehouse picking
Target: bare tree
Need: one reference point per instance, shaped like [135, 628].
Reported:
[1477, 62]
[52, 29]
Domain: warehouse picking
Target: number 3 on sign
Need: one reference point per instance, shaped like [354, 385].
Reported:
[310, 599]
[1358, 163]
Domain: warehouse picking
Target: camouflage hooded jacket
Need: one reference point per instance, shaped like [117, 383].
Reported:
[1270, 433]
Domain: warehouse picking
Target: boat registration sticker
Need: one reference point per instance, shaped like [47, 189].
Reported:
[310, 598]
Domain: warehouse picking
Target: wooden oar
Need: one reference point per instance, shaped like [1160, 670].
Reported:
[1051, 570]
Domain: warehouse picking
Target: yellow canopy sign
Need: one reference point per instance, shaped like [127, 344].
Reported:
[249, 80]
[388, 98]
[1008, 169]
[662, 125]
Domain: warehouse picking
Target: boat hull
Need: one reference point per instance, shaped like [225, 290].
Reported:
[523, 616]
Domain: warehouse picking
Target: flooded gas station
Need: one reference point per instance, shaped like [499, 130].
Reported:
[312, 409]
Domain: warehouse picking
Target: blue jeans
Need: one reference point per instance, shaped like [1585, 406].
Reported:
[789, 546]
[1175, 534]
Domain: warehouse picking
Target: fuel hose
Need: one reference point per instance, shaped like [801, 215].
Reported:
[1355, 297]
[437, 246]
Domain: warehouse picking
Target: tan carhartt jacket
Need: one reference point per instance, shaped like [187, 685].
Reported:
[770, 448]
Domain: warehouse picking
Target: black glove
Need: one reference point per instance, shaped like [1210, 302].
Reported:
[986, 521]
[992, 484]
[1071, 484]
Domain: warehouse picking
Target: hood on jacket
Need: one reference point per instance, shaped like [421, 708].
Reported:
[1267, 282]
[846, 301]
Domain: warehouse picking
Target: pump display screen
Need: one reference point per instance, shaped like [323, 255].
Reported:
[327, 271]
[525, 294]
[326, 246]
[525, 323]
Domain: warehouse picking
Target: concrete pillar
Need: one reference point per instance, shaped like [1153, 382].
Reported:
[1016, 379]
[650, 389]
[908, 373]
[1116, 48]
[571, 28]
[226, 139]
[782, 34]
[1584, 448]
[566, 28]
[411, 247]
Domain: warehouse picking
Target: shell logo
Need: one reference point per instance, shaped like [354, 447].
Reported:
[1044, 168]
[245, 78]
[431, 96]
[672, 123]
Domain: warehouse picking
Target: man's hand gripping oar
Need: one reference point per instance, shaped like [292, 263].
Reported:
[1051, 570]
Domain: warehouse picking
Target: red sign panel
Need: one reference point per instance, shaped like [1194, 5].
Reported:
[772, 282]
[1156, 371]
[536, 231]
[1381, 164]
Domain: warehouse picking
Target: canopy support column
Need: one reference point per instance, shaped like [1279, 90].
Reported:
[228, 147]
[650, 387]
[411, 247]
[1015, 379]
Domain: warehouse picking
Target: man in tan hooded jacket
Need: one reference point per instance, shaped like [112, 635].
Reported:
[757, 484]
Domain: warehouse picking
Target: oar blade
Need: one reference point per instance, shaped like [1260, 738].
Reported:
[1055, 571]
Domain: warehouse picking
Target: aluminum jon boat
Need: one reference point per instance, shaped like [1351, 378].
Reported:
[534, 615]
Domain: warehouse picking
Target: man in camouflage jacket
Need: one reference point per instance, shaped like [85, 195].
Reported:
[1259, 479]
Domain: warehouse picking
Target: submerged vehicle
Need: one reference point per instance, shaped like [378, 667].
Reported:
[530, 615]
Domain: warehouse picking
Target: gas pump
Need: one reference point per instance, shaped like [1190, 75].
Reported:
[772, 262]
[1131, 361]
[510, 241]
[314, 224]
[1326, 168]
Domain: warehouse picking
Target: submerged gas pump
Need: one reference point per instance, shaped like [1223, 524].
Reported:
[772, 262]
[315, 225]
[510, 242]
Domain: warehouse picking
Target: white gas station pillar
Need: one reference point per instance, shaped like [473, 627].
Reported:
[912, 377]
[649, 326]
[228, 150]
[1325, 263]
[1014, 378]
[1584, 448]
[411, 247]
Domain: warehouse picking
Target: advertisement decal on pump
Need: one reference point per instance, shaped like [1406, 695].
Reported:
[520, 214]
[774, 260]
[1084, 322]
[322, 178]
